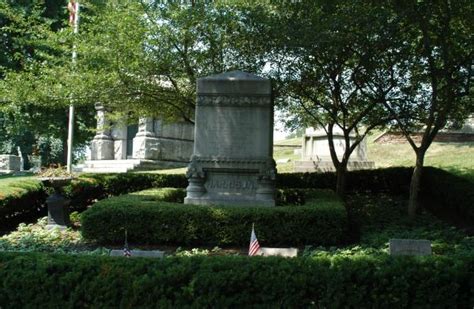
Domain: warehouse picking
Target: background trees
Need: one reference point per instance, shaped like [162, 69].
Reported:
[141, 57]
[345, 65]
[324, 57]
[435, 73]
[41, 130]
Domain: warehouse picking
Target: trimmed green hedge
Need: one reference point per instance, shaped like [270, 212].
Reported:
[90, 187]
[149, 219]
[448, 195]
[84, 190]
[19, 196]
[53, 281]
[394, 180]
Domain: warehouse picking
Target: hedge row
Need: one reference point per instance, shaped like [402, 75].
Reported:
[448, 195]
[449, 191]
[88, 188]
[20, 196]
[54, 281]
[150, 218]
[84, 190]
[394, 180]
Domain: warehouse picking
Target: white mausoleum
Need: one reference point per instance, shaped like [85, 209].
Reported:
[152, 143]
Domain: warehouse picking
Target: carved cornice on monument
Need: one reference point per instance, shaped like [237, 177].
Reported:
[233, 100]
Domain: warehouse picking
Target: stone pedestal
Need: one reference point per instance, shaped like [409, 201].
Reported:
[102, 146]
[58, 211]
[232, 160]
[146, 144]
[10, 163]
[102, 149]
[58, 205]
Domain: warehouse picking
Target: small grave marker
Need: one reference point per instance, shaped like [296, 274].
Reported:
[139, 253]
[284, 252]
[409, 247]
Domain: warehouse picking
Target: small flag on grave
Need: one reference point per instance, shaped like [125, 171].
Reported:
[254, 245]
[126, 250]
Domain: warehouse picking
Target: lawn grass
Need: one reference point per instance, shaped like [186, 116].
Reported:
[454, 157]
[15, 184]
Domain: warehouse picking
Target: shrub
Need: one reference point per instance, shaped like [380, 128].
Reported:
[150, 220]
[394, 180]
[52, 280]
[88, 188]
[448, 195]
[20, 196]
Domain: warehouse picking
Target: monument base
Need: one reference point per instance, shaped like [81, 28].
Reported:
[146, 147]
[219, 181]
[328, 166]
[102, 148]
[238, 202]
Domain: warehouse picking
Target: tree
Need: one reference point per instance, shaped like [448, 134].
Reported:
[32, 128]
[141, 57]
[435, 74]
[325, 56]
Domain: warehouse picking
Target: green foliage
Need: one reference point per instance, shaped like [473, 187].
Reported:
[380, 217]
[135, 55]
[35, 237]
[20, 195]
[394, 180]
[149, 219]
[53, 280]
[448, 195]
[290, 197]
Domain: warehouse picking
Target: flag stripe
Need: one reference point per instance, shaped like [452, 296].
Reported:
[254, 245]
[71, 6]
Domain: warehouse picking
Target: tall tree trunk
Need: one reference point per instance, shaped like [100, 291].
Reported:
[341, 178]
[415, 184]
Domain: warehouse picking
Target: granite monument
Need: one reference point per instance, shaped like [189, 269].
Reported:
[232, 161]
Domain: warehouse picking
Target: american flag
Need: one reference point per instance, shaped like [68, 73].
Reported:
[71, 7]
[254, 245]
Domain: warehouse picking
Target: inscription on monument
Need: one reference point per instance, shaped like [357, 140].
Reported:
[233, 132]
[231, 183]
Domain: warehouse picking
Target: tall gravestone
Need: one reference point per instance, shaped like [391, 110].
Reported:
[232, 161]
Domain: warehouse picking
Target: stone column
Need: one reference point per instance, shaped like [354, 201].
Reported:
[146, 144]
[102, 147]
[119, 135]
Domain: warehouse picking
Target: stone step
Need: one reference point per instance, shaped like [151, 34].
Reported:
[100, 163]
[105, 170]
[123, 166]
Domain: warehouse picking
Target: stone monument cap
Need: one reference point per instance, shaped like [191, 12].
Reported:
[234, 82]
